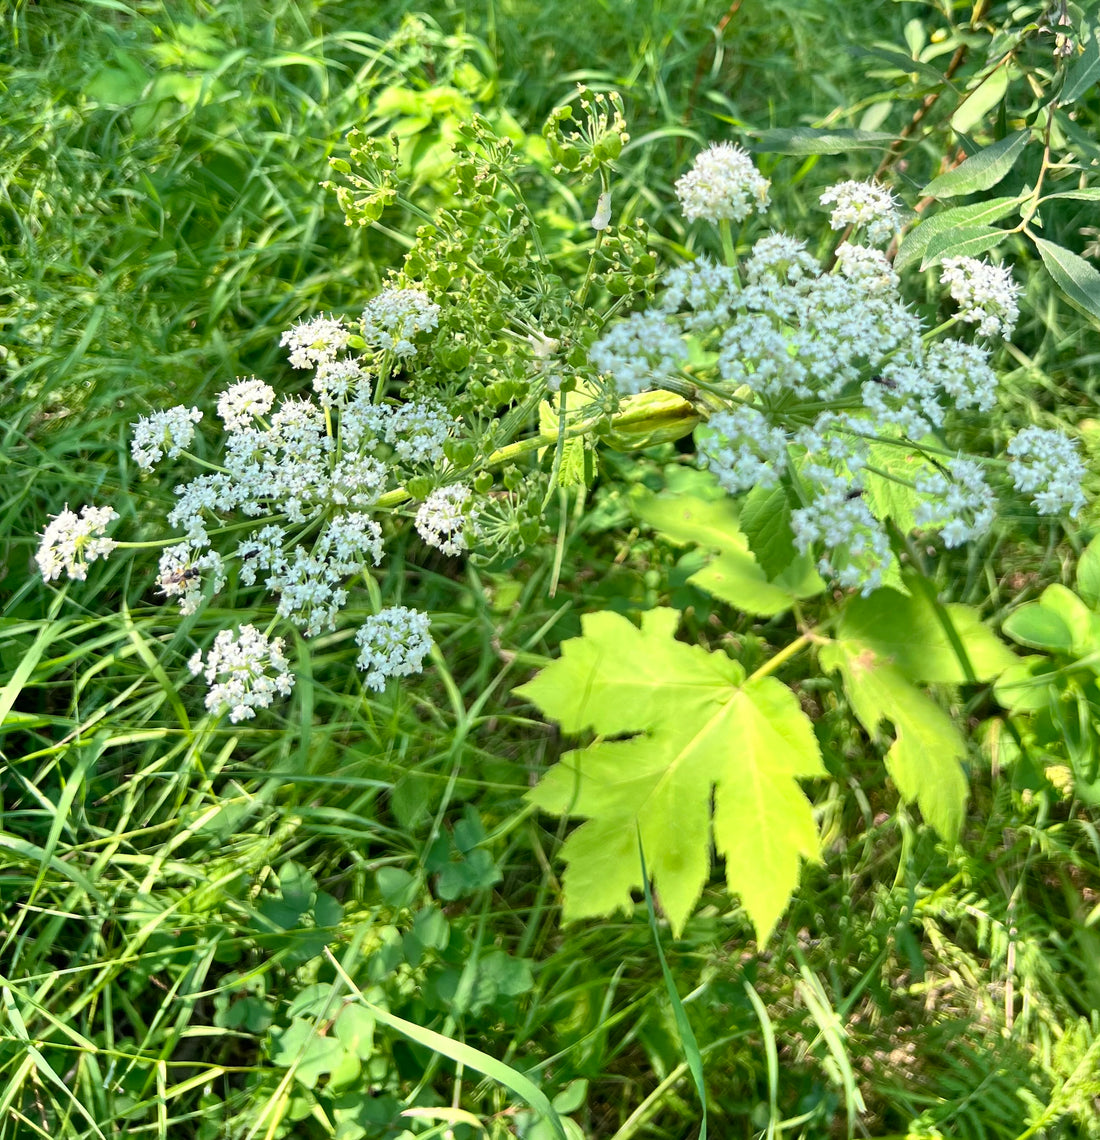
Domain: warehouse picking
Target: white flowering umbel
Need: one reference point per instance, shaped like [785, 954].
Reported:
[1046, 465]
[315, 342]
[960, 503]
[396, 317]
[163, 433]
[799, 371]
[640, 352]
[393, 643]
[443, 519]
[865, 206]
[743, 449]
[243, 673]
[986, 294]
[722, 185]
[71, 541]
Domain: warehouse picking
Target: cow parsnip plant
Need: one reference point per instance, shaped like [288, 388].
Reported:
[484, 378]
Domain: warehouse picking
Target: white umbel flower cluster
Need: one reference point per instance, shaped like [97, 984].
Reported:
[393, 319]
[241, 403]
[163, 433]
[866, 206]
[640, 352]
[959, 504]
[985, 293]
[71, 541]
[443, 519]
[316, 341]
[1046, 465]
[743, 449]
[243, 673]
[181, 575]
[856, 547]
[393, 643]
[722, 185]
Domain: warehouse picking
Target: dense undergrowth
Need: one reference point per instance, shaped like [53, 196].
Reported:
[189, 904]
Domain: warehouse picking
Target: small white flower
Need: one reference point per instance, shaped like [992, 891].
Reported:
[71, 541]
[418, 429]
[165, 432]
[857, 548]
[393, 643]
[864, 205]
[961, 507]
[241, 402]
[315, 342]
[393, 318]
[962, 370]
[722, 185]
[985, 293]
[707, 291]
[337, 381]
[1046, 465]
[243, 673]
[639, 352]
[443, 517]
[181, 573]
[743, 449]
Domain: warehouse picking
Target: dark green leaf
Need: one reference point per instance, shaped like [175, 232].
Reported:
[966, 241]
[980, 171]
[979, 214]
[1073, 275]
[1084, 72]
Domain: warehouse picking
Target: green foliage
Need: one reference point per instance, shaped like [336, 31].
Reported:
[695, 725]
[173, 896]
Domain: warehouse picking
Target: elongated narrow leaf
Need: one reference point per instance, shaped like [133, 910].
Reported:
[704, 731]
[980, 171]
[1086, 194]
[966, 241]
[981, 100]
[1073, 275]
[1084, 72]
[815, 140]
[979, 214]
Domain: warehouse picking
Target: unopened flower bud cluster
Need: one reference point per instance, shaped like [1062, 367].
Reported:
[811, 363]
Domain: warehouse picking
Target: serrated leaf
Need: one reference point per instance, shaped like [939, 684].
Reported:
[966, 241]
[813, 140]
[925, 759]
[737, 579]
[697, 726]
[734, 575]
[766, 521]
[980, 171]
[918, 635]
[688, 518]
[888, 479]
[1073, 275]
[915, 243]
[1088, 574]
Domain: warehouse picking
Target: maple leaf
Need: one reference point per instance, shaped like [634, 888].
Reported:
[695, 726]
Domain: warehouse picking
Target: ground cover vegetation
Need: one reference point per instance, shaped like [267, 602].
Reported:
[585, 625]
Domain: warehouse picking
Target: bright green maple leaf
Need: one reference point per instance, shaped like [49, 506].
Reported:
[696, 725]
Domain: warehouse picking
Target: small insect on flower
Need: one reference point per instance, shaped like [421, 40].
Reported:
[176, 580]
